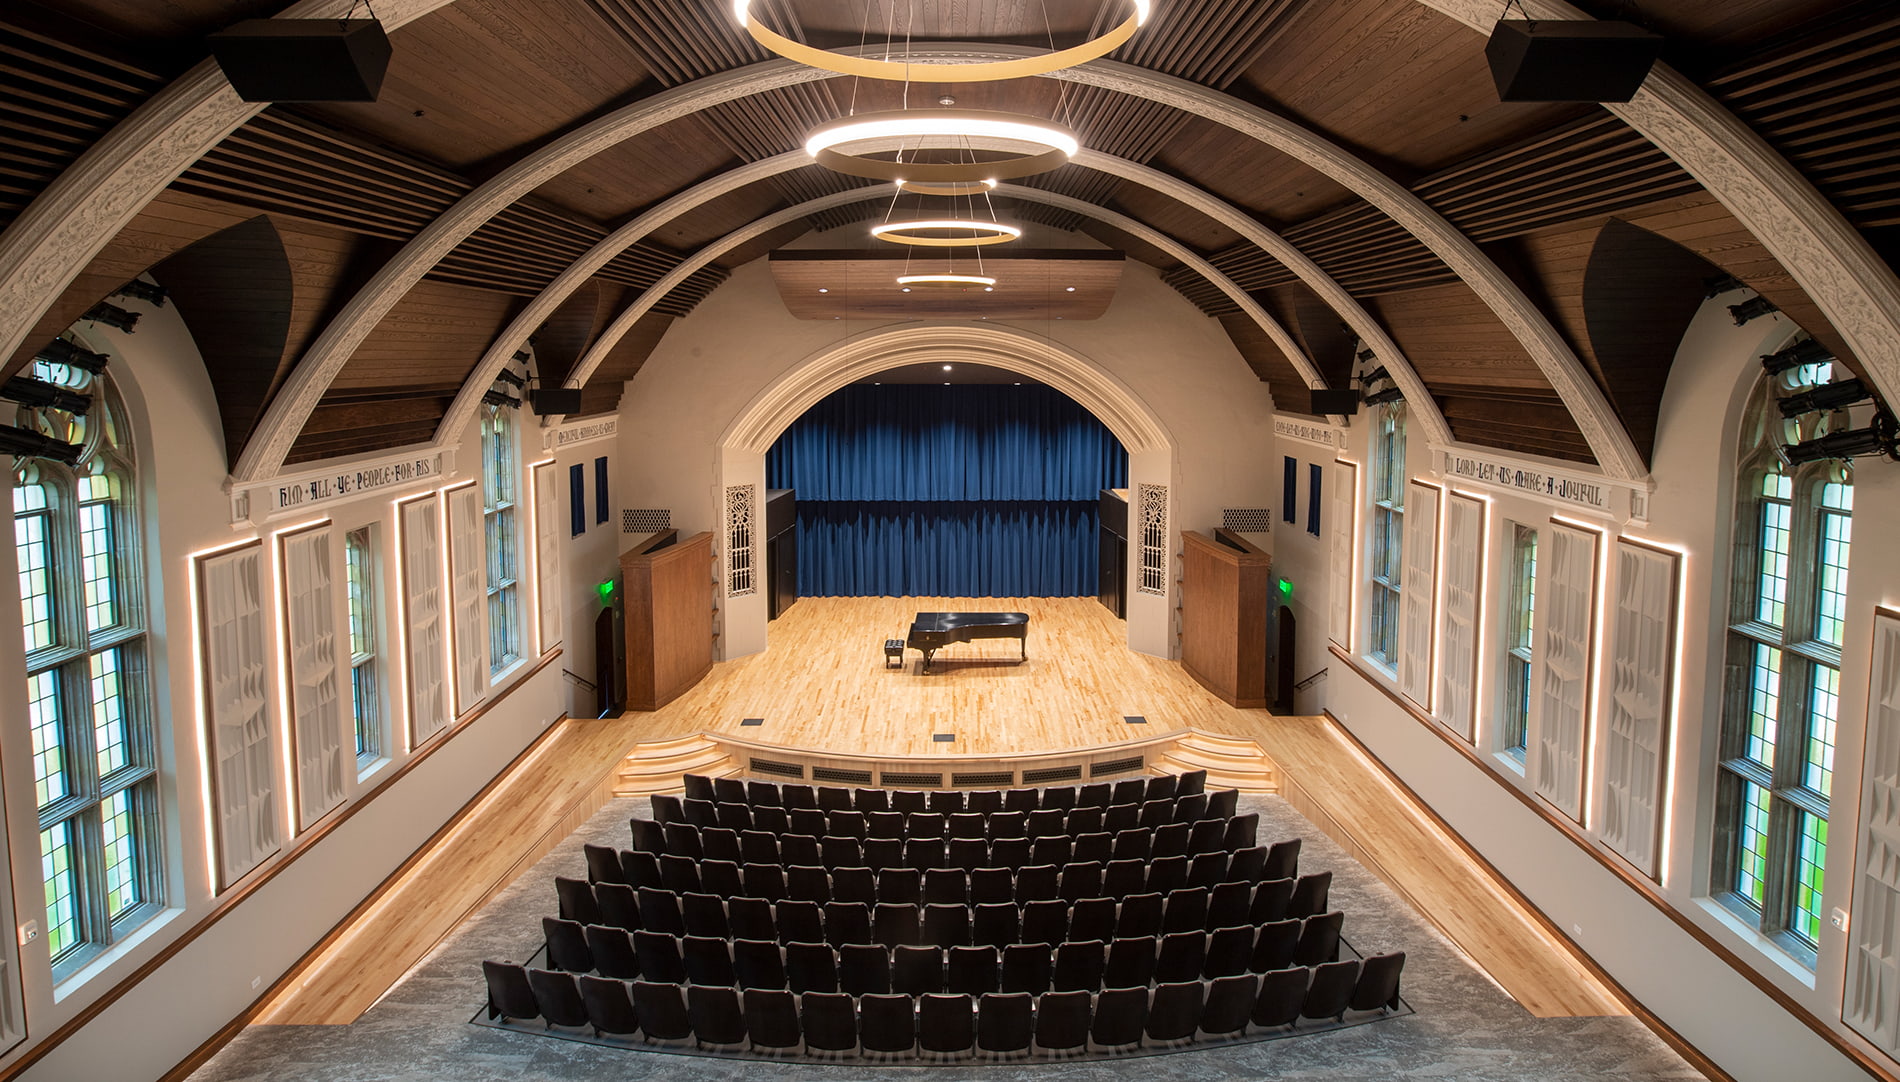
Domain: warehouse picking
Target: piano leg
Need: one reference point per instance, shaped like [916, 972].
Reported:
[928, 654]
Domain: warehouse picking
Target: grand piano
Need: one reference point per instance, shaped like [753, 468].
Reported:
[932, 631]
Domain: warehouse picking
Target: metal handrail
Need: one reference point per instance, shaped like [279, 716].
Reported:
[1301, 686]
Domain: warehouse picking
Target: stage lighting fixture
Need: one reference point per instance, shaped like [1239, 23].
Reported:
[1751, 309]
[28, 391]
[523, 356]
[501, 398]
[1716, 285]
[1367, 354]
[1379, 398]
[1882, 437]
[112, 316]
[61, 351]
[510, 378]
[1828, 396]
[25, 442]
[1375, 375]
[1807, 351]
[148, 292]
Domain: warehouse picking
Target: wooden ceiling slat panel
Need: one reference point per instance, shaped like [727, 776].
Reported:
[1449, 334]
[602, 391]
[1268, 362]
[435, 334]
[1212, 42]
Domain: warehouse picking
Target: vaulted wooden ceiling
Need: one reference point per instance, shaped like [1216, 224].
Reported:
[1606, 235]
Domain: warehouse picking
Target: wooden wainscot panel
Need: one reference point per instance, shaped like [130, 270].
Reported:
[669, 598]
[1224, 616]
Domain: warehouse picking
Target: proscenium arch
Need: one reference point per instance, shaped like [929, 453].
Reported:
[805, 384]
[92, 200]
[1150, 446]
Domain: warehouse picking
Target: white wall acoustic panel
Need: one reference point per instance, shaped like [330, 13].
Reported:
[1872, 998]
[423, 617]
[1461, 568]
[547, 556]
[1339, 581]
[312, 666]
[234, 652]
[1636, 721]
[1418, 602]
[1560, 703]
[468, 596]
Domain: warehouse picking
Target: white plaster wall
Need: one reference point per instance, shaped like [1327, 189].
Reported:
[1306, 562]
[1695, 991]
[587, 560]
[190, 996]
[710, 365]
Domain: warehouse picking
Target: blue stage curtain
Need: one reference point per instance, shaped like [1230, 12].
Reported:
[963, 491]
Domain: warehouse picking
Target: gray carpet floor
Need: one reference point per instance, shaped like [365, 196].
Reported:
[1465, 1028]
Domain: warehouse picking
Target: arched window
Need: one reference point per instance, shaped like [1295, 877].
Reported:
[1388, 530]
[90, 707]
[1780, 699]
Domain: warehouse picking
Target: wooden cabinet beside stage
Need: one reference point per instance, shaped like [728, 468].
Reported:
[669, 599]
[1224, 584]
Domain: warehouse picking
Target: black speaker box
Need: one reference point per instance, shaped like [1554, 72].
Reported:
[1570, 60]
[304, 59]
[1345, 403]
[547, 400]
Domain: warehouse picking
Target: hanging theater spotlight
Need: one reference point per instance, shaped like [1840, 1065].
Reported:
[943, 71]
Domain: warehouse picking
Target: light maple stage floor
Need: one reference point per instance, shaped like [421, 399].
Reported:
[821, 684]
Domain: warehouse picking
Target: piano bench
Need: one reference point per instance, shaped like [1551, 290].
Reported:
[893, 653]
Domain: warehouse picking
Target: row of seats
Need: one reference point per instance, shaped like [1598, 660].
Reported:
[938, 883]
[835, 850]
[769, 794]
[863, 968]
[890, 823]
[771, 1021]
[1049, 920]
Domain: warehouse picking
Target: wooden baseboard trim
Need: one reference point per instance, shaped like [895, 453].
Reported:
[1642, 887]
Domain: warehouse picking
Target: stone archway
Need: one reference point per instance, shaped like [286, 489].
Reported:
[1151, 448]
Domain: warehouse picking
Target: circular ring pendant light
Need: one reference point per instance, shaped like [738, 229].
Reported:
[945, 281]
[844, 145]
[979, 187]
[940, 72]
[962, 232]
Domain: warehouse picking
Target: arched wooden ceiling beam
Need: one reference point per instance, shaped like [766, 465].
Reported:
[332, 349]
[1808, 235]
[99, 194]
[654, 293]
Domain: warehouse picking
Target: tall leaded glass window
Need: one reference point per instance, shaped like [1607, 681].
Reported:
[89, 705]
[1388, 530]
[1781, 696]
[1520, 621]
[499, 484]
[366, 701]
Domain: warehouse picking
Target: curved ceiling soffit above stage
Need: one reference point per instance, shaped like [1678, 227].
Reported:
[87, 205]
[1808, 235]
[805, 384]
[642, 304]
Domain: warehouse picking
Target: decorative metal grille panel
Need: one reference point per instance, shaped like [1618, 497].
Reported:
[1115, 766]
[1154, 540]
[924, 781]
[1052, 773]
[1247, 519]
[832, 773]
[1872, 1003]
[996, 777]
[740, 516]
[773, 766]
[645, 520]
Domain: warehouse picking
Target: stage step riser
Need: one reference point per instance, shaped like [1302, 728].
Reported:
[658, 767]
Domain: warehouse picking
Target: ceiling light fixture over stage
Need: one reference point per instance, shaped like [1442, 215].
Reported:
[939, 71]
[979, 187]
[945, 281]
[846, 145]
[946, 232]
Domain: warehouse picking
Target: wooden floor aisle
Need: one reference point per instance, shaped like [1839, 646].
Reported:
[821, 685]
